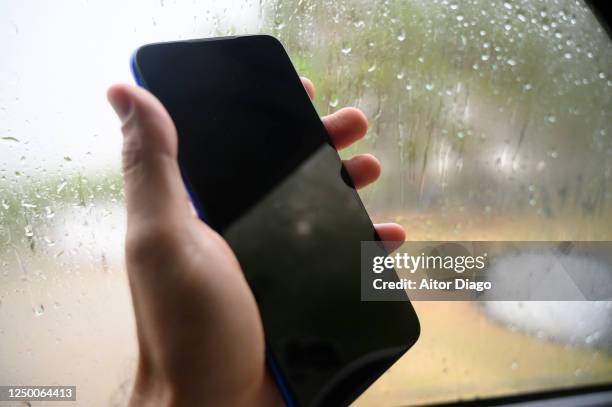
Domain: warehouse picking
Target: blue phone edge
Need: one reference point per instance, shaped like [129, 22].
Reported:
[270, 362]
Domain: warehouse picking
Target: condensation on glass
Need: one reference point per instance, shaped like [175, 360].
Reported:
[491, 120]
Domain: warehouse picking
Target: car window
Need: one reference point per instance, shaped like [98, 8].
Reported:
[491, 120]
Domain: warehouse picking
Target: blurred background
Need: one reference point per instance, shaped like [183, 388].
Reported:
[491, 120]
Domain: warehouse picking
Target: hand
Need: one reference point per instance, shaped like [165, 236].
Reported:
[199, 331]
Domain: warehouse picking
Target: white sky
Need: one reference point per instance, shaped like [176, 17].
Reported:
[59, 57]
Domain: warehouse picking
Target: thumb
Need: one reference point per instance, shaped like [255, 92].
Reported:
[153, 185]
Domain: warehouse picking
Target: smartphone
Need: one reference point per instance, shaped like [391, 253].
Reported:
[261, 170]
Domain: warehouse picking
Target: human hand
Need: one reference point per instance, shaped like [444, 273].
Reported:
[199, 331]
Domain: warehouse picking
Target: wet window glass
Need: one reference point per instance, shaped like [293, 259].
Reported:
[491, 120]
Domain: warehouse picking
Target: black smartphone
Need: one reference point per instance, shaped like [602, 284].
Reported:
[261, 170]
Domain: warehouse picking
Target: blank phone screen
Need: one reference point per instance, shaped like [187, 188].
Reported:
[262, 172]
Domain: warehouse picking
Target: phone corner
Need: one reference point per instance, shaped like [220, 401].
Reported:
[270, 39]
[417, 329]
[414, 324]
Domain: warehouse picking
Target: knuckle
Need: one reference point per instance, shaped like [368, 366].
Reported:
[145, 136]
[132, 145]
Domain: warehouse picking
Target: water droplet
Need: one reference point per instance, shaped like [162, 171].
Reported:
[60, 187]
[527, 87]
[507, 27]
[280, 26]
[49, 212]
[372, 68]
[10, 138]
[459, 17]
[333, 102]
[400, 75]
[602, 75]
[508, 5]
[532, 202]
[511, 62]
[429, 86]
[567, 55]
[514, 365]
[484, 57]
[460, 135]
[521, 18]
[28, 230]
[346, 49]
[39, 310]
[401, 36]
[578, 372]
[551, 118]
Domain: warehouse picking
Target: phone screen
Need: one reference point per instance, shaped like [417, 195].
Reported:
[262, 172]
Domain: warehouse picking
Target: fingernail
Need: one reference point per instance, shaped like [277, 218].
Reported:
[121, 103]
